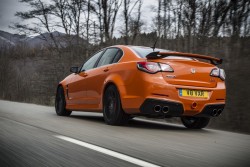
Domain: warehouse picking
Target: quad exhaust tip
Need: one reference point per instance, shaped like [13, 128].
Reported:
[219, 112]
[165, 109]
[216, 112]
[157, 108]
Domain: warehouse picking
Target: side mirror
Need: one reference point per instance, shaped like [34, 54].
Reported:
[74, 69]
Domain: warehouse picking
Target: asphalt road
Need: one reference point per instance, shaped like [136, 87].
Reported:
[33, 135]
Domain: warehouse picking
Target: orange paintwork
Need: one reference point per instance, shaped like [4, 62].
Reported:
[84, 91]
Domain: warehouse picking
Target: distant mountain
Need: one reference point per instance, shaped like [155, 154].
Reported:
[45, 39]
[39, 41]
[11, 39]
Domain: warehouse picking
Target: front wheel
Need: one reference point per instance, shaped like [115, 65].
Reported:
[60, 103]
[112, 108]
[195, 122]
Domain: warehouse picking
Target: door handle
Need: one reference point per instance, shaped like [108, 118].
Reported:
[106, 69]
[84, 75]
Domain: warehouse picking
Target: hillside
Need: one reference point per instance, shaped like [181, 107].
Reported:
[38, 41]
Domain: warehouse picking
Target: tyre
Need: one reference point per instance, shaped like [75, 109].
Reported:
[112, 109]
[60, 103]
[195, 122]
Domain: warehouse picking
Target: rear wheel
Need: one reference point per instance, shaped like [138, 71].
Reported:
[60, 103]
[195, 122]
[112, 108]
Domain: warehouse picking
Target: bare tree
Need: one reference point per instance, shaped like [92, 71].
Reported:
[221, 9]
[159, 18]
[76, 7]
[179, 16]
[61, 10]
[136, 23]
[189, 20]
[99, 13]
[110, 9]
[205, 19]
[40, 12]
[165, 18]
[106, 12]
[88, 26]
[239, 12]
[129, 6]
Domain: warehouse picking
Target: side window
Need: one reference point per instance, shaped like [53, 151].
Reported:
[118, 56]
[91, 62]
[108, 57]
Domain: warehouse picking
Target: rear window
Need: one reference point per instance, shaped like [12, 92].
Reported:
[144, 51]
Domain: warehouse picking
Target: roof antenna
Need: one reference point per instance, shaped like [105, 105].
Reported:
[155, 44]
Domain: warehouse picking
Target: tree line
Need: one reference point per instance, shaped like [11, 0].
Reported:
[96, 20]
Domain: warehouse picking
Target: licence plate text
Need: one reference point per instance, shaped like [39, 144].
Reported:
[193, 93]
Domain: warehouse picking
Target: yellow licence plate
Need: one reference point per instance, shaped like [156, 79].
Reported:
[193, 93]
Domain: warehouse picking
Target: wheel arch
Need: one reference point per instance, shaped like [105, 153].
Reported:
[60, 85]
[117, 81]
[64, 90]
[105, 88]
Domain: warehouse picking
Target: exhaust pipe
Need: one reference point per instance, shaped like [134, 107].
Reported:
[214, 113]
[157, 108]
[165, 109]
[219, 112]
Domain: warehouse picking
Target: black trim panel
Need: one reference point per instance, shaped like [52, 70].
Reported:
[208, 110]
[175, 109]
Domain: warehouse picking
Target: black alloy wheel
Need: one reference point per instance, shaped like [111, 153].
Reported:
[60, 103]
[112, 108]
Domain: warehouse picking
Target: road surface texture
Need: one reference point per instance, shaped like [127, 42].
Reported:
[33, 135]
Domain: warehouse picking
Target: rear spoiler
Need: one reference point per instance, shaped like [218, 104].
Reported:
[160, 55]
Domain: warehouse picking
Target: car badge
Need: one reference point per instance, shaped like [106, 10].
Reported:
[170, 76]
[193, 70]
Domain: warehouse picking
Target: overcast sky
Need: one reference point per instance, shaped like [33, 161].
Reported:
[8, 8]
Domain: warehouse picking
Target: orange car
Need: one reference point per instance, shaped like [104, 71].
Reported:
[126, 81]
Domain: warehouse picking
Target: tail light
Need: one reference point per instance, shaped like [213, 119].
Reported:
[153, 67]
[216, 72]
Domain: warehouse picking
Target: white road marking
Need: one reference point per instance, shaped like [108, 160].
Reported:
[108, 152]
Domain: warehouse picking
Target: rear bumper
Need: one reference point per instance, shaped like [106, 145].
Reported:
[176, 109]
[150, 90]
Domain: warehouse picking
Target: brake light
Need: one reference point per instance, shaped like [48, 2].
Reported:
[149, 67]
[215, 72]
[166, 68]
[153, 67]
[220, 73]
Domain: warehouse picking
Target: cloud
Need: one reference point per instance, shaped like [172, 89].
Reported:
[8, 9]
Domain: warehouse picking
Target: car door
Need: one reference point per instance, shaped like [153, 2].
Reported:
[77, 87]
[96, 77]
